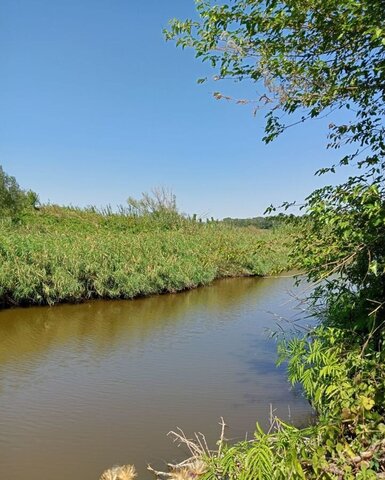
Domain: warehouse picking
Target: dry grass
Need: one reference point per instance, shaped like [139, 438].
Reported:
[125, 472]
[196, 465]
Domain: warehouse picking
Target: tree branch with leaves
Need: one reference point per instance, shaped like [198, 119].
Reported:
[307, 59]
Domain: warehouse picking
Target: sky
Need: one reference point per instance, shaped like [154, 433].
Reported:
[96, 106]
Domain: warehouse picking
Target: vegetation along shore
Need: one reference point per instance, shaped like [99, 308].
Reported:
[57, 254]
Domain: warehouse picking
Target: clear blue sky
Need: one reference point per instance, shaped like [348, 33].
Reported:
[95, 106]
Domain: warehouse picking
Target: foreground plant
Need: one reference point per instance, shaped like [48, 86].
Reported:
[346, 386]
[125, 472]
[196, 466]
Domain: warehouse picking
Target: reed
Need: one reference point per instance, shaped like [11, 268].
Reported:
[69, 255]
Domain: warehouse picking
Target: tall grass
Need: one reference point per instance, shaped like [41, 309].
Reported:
[68, 255]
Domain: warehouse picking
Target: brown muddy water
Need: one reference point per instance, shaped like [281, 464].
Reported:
[84, 387]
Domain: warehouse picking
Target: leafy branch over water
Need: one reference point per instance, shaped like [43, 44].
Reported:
[306, 60]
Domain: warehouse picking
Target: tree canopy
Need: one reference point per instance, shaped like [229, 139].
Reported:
[13, 200]
[307, 59]
[305, 56]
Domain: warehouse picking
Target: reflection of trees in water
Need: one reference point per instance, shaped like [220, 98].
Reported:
[101, 325]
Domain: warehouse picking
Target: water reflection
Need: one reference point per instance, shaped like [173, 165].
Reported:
[83, 387]
[108, 322]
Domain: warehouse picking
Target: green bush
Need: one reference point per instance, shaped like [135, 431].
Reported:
[14, 200]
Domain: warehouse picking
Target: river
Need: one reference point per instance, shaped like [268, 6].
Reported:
[84, 387]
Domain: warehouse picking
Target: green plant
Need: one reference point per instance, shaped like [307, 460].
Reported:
[346, 386]
[309, 59]
[67, 254]
[14, 200]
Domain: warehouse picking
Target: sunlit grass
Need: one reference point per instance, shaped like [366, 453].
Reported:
[59, 255]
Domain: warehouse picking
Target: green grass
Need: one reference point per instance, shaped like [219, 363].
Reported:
[69, 255]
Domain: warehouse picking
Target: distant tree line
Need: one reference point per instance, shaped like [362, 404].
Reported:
[268, 222]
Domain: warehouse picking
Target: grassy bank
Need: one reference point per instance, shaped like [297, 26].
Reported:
[68, 255]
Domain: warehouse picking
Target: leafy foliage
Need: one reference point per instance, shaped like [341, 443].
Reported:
[346, 238]
[346, 386]
[312, 55]
[14, 200]
[308, 59]
[311, 58]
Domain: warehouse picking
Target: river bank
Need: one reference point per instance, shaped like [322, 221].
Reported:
[61, 255]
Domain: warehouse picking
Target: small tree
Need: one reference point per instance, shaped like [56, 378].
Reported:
[160, 200]
[13, 200]
[159, 206]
